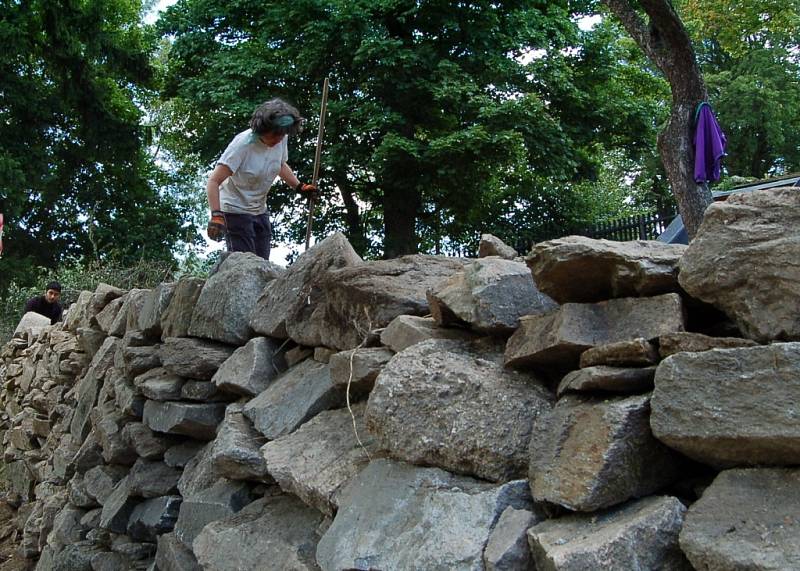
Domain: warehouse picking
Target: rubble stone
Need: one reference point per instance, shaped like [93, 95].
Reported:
[250, 369]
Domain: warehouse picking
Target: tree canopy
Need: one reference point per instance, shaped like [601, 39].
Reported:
[76, 179]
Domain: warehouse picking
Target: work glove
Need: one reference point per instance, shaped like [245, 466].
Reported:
[310, 191]
[216, 226]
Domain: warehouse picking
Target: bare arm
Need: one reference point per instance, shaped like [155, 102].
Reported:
[288, 176]
[218, 176]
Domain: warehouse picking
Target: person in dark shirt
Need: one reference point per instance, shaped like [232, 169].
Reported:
[47, 304]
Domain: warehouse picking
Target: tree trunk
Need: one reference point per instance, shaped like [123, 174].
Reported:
[666, 43]
[400, 210]
[355, 229]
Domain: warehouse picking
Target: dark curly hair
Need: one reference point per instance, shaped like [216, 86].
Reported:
[276, 116]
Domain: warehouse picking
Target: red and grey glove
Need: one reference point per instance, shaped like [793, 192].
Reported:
[216, 226]
[307, 190]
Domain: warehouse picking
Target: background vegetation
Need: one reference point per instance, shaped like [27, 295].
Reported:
[446, 120]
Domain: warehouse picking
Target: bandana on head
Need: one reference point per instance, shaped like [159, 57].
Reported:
[284, 121]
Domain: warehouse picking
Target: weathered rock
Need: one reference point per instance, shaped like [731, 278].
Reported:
[128, 398]
[78, 496]
[154, 306]
[102, 296]
[608, 379]
[752, 242]
[324, 354]
[172, 555]
[75, 557]
[144, 441]
[108, 427]
[131, 306]
[100, 481]
[193, 358]
[151, 479]
[358, 299]
[728, 407]
[222, 311]
[118, 507]
[559, 337]
[293, 398]
[177, 317]
[159, 384]
[153, 517]
[67, 526]
[586, 455]
[317, 460]
[221, 500]
[407, 330]
[271, 534]
[746, 519]
[634, 353]
[697, 342]
[180, 455]
[190, 419]
[359, 368]
[203, 391]
[88, 387]
[606, 269]
[235, 453]
[439, 521]
[198, 474]
[77, 315]
[488, 296]
[298, 354]
[288, 296]
[642, 534]
[494, 246]
[106, 318]
[31, 325]
[453, 405]
[139, 360]
[250, 369]
[110, 561]
[507, 548]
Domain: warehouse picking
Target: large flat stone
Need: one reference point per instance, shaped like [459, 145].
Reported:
[642, 534]
[453, 405]
[752, 242]
[153, 517]
[155, 304]
[317, 460]
[235, 452]
[746, 519]
[177, 317]
[197, 420]
[587, 455]
[604, 379]
[407, 330]
[696, 342]
[728, 407]
[271, 534]
[159, 384]
[250, 369]
[368, 296]
[584, 270]
[293, 398]
[559, 337]
[221, 500]
[152, 479]
[194, 358]
[296, 291]
[222, 312]
[438, 520]
[488, 296]
[117, 507]
[633, 353]
[89, 385]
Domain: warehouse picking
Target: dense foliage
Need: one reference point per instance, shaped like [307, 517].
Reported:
[76, 178]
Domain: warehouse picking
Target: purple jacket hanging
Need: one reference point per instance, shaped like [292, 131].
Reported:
[709, 145]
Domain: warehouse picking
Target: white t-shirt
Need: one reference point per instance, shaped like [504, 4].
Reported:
[255, 167]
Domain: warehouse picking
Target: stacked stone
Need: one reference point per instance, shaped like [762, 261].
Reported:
[433, 413]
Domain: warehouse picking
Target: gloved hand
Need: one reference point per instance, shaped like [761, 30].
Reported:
[308, 190]
[216, 226]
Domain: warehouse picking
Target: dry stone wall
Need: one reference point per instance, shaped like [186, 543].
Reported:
[316, 417]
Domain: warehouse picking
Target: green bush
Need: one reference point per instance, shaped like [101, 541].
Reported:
[75, 277]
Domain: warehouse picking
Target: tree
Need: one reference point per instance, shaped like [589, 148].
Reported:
[75, 178]
[666, 42]
[437, 130]
[748, 53]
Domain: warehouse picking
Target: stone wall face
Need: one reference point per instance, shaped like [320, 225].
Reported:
[312, 418]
